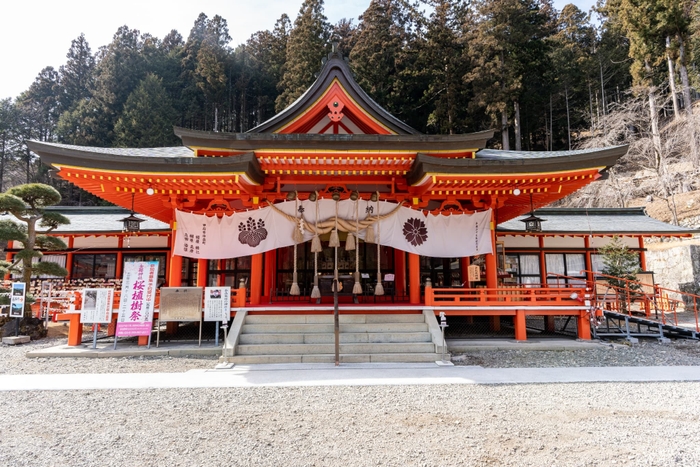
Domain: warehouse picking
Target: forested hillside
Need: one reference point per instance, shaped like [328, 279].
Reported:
[543, 79]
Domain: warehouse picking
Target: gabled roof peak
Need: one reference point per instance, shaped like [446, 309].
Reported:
[336, 84]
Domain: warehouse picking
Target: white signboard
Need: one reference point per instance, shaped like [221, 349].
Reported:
[97, 306]
[137, 299]
[17, 300]
[217, 303]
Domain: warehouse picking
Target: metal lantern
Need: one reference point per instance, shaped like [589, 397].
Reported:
[132, 223]
[532, 222]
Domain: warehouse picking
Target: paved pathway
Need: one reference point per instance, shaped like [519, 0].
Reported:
[346, 375]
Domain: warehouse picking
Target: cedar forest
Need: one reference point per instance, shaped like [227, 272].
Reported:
[544, 79]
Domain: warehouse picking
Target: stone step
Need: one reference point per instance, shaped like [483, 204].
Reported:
[328, 319]
[288, 328]
[306, 349]
[329, 338]
[330, 358]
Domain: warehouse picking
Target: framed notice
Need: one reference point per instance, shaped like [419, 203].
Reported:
[97, 306]
[474, 273]
[217, 303]
[17, 299]
[180, 304]
[137, 299]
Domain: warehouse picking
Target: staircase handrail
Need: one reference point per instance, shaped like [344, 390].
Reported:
[657, 298]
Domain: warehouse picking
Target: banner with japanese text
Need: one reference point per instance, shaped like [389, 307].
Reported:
[137, 299]
[272, 227]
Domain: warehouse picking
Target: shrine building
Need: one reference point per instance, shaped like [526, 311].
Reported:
[335, 187]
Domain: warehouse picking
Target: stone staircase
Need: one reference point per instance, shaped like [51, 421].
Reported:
[311, 339]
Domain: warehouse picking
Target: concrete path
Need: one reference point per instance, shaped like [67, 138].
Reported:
[346, 375]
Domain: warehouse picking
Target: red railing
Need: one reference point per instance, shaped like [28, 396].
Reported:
[531, 296]
[652, 301]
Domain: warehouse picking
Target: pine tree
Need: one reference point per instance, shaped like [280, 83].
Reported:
[308, 43]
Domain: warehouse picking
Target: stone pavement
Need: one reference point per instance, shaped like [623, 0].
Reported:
[346, 375]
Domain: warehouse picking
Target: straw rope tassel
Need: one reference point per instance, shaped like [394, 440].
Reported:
[357, 288]
[316, 248]
[316, 241]
[294, 289]
[334, 241]
[379, 289]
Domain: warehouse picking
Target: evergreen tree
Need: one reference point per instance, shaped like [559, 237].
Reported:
[205, 67]
[344, 35]
[77, 75]
[307, 45]
[28, 204]
[507, 46]
[385, 55]
[147, 118]
[622, 265]
[9, 145]
[267, 51]
[443, 58]
[571, 60]
[38, 110]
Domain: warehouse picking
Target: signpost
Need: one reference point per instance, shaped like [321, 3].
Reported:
[180, 304]
[17, 302]
[217, 306]
[96, 309]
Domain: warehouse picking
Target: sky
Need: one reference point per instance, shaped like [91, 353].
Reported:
[38, 33]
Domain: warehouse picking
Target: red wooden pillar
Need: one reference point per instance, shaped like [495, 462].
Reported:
[464, 270]
[492, 273]
[414, 278]
[202, 272]
[642, 255]
[491, 260]
[584, 326]
[220, 279]
[256, 279]
[175, 272]
[520, 330]
[400, 272]
[589, 261]
[175, 269]
[119, 270]
[69, 259]
[543, 262]
[270, 273]
[8, 258]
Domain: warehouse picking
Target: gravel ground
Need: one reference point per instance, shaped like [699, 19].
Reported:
[636, 424]
[515, 425]
[646, 353]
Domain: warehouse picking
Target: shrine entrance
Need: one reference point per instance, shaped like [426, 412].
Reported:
[323, 265]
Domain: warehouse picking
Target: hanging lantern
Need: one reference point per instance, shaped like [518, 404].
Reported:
[132, 223]
[532, 222]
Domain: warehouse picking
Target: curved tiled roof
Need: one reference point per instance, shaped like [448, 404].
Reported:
[611, 221]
